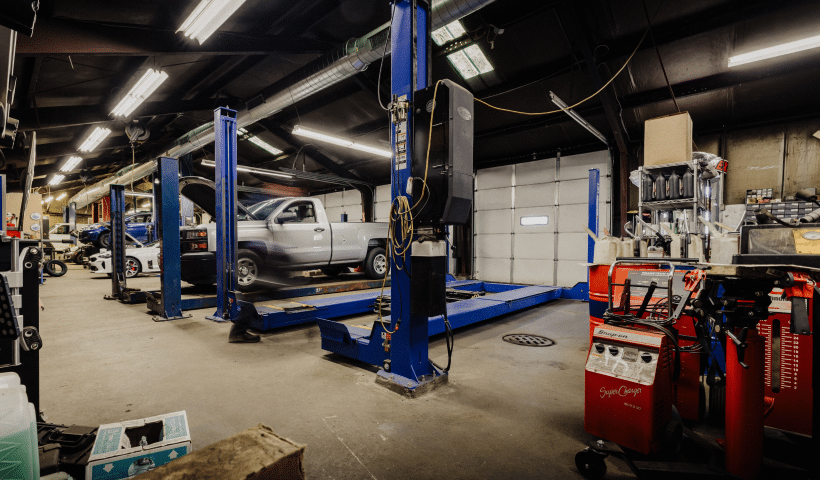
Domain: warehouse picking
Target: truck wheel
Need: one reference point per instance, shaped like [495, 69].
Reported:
[104, 240]
[78, 257]
[247, 270]
[376, 264]
[55, 268]
[132, 267]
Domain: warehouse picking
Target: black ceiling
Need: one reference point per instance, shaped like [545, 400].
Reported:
[83, 53]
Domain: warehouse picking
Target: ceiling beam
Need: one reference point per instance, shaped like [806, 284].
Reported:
[72, 37]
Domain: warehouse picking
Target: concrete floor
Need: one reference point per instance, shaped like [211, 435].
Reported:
[508, 411]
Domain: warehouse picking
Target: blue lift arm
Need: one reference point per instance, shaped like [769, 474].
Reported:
[117, 245]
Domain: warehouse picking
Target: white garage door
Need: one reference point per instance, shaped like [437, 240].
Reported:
[549, 246]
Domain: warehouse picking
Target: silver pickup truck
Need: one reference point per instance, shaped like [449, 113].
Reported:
[290, 233]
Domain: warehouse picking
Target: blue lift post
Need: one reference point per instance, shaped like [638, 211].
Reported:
[409, 365]
[226, 227]
[118, 282]
[166, 201]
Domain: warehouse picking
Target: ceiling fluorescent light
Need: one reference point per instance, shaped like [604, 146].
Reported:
[258, 171]
[560, 104]
[61, 196]
[96, 137]
[264, 145]
[478, 58]
[143, 89]
[463, 64]
[56, 179]
[298, 130]
[140, 194]
[207, 17]
[48, 199]
[70, 164]
[448, 33]
[776, 51]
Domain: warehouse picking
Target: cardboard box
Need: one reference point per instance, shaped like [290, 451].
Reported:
[668, 139]
[125, 449]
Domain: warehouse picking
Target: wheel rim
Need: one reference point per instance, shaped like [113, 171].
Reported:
[105, 240]
[245, 271]
[380, 264]
[131, 267]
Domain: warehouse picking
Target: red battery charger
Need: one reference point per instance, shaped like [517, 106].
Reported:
[628, 387]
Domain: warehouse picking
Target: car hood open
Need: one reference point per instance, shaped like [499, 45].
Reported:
[202, 192]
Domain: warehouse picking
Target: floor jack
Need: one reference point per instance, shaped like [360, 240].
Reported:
[727, 302]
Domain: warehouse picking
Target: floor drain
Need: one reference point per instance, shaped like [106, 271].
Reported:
[528, 340]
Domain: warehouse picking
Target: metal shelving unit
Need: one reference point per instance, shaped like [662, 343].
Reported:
[713, 202]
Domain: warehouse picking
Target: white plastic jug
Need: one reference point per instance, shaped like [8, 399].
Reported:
[627, 247]
[724, 245]
[606, 248]
[18, 431]
[696, 248]
[675, 244]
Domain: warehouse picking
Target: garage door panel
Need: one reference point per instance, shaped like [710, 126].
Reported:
[534, 246]
[533, 272]
[493, 269]
[573, 191]
[494, 245]
[573, 218]
[493, 199]
[334, 199]
[533, 212]
[577, 166]
[498, 177]
[573, 246]
[352, 197]
[570, 273]
[382, 211]
[540, 171]
[537, 195]
[383, 193]
[334, 214]
[493, 221]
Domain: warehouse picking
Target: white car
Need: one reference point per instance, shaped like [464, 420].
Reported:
[138, 259]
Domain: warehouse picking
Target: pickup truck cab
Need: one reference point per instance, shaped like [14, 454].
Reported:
[59, 232]
[289, 233]
[137, 225]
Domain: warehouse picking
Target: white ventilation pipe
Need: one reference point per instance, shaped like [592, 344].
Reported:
[351, 59]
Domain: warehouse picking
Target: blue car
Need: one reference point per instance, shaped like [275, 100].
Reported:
[137, 226]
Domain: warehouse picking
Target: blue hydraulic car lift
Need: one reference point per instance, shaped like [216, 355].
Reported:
[118, 280]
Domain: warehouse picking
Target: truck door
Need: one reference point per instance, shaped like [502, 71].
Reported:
[299, 236]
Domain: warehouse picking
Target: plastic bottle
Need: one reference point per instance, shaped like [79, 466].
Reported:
[696, 248]
[724, 245]
[607, 249]
[674, 186]
[18, 431]
[647, 188]
[687, 182]
[661, 187]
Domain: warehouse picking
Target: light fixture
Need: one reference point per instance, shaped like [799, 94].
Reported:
[298, 130]
[146, 85]
[139, 194]
[470, 61]
[61, 196]
[560, 104]
[56, 179]
[96, 137]
[449, 32]
[259, 171]
[146, 204]
[48, 199]
[207, 17]
[776, 51]
[259, 142]
[71, 164]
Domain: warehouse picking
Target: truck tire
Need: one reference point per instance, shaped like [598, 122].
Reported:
[132, 267]
[78, 257]
[376, 264]
[248, 265]
[55, 268]
[104, 240]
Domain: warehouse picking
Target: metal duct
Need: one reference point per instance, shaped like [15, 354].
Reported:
[124, 176]
[351, 59]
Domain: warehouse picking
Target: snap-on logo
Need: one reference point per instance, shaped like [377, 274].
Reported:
[623, 391]
[612, 334]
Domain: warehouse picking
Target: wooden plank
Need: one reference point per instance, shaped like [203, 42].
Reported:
[254, 454]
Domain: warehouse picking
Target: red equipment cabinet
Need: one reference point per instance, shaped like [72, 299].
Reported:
[628, 382]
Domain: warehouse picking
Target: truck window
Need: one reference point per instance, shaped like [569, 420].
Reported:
[262, 210]
[60, 230]
[305, 212]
